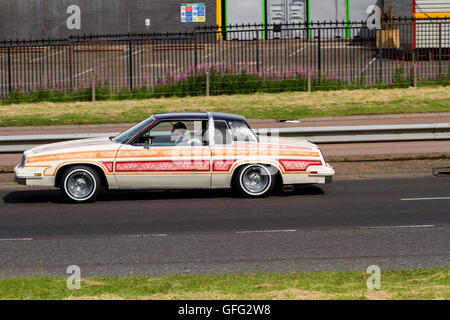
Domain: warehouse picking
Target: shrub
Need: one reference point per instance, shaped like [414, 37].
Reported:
[222, 80]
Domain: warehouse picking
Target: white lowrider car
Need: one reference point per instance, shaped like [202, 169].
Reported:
[176, 151]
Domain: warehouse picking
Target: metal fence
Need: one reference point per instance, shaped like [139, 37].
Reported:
[322, 54]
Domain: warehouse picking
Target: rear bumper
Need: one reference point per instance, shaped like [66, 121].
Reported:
[315, 175]
[325, 172]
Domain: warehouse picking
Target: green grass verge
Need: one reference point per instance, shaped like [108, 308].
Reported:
[411, 284]
[286, 105]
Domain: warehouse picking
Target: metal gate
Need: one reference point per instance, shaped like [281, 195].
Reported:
[240, 13]
[283, 12]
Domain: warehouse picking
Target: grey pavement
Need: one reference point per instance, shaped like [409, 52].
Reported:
[347, 225]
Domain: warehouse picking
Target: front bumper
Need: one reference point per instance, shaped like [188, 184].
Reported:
[32, 176]
[21, 181]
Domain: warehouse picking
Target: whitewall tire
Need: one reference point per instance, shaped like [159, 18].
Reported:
[80, 184]
[254, 180]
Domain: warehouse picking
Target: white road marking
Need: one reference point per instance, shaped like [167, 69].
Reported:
[17, 239]
[424, 199]
[265, 231]
[51, 55]
[81, 73]
[298, 51]
[392, 227]
[139, 51]
[145, 235]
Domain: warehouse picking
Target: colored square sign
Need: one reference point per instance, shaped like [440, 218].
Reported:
[193, 12]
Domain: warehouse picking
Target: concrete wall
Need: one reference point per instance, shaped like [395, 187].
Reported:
[34, 19]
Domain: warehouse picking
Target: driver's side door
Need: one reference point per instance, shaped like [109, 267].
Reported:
[154, 160]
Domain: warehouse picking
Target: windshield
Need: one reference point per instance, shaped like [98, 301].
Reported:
[124, 137]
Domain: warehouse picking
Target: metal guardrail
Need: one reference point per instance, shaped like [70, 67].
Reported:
[337, 134]
[371, 133]
[20, 143]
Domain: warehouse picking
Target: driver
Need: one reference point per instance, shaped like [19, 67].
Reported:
[178, 132]
[179, 135]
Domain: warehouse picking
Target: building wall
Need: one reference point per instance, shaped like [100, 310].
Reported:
[97, 17]
[358, 9]
[165, 15]
[326, 10]
[401, 8]
[244, 12]
[20, 19]
[32, 19]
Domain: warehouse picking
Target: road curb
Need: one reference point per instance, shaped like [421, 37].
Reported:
[390, 157]
[6, 169]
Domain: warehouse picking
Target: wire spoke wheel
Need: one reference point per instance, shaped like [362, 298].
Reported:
[255, 180]
[81, 184]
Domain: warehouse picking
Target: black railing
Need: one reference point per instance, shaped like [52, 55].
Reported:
[319, 55]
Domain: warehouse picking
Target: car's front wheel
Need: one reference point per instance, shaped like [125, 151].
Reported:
[254, 180]
[80, 184]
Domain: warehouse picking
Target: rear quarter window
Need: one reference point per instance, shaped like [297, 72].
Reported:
[241, 131]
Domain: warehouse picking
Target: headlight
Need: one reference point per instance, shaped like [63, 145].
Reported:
[24, 160]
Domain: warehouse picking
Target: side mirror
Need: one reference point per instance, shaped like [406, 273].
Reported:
[148, 143]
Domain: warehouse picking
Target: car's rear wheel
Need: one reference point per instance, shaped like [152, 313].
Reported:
[80, 184]
[254, 180]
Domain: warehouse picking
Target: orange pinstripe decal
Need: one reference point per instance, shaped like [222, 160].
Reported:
[174, 173]
[223, 165]
[43, 166]
[166, 152]
[299, 165]
[263, 152]
[68, 162]
[164, 166]
[110, 154]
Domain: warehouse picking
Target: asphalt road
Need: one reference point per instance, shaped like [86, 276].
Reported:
[347, 225]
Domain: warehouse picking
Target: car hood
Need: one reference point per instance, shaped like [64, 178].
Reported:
[103, 143]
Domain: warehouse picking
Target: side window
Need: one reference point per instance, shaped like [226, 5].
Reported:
[222, 134]
[175, 133]
[160, 135]
[241, 131]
